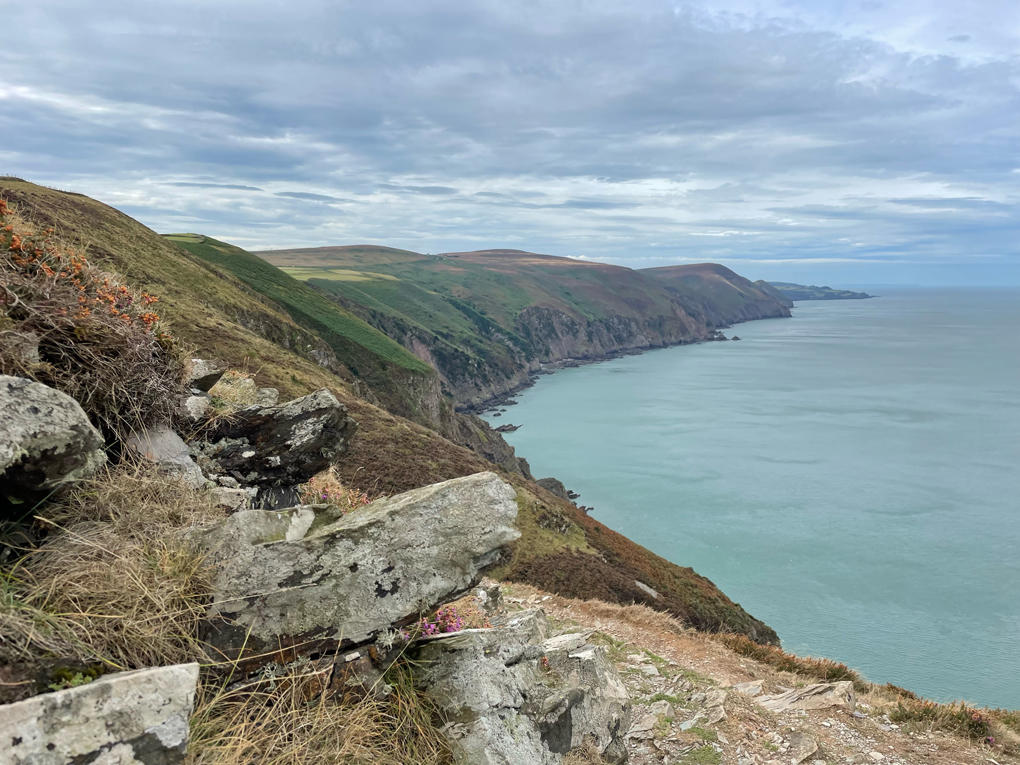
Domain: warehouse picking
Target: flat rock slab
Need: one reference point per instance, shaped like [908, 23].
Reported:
[817, 696]
[123, 719]
[46, 442]
[167, 450]
[309, 574]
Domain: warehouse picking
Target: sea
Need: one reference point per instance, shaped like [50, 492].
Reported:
[850, 476]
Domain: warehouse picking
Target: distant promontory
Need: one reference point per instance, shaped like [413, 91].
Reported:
[805, 292]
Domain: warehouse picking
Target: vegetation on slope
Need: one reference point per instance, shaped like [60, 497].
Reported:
[213, 312]
[369, 354]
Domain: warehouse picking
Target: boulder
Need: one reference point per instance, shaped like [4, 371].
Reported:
[312, 576]
[164, 447]
[280, 445]
[817, 696]
[554, 487]
[124, 718]
[515, 695]
[802, 746]
[46, 444]
[204, 374]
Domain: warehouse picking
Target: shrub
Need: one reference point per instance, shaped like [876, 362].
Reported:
[326, 488]
[825, 670]
[70, 325]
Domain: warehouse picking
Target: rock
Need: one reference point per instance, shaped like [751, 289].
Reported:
[649, 670]
[267, 397]
[876, 756]
[46, 444]
[734, 338]
[663, 708]
[194, 408]
[508, 706]
[122, 719]
[802, 746]
[641, 585]
[750, 688]
[164, 447]
[232, 499]
[280, 445]
[508, 428]
[204, 374]
[312, 576]
[817, 696]
[644, 728]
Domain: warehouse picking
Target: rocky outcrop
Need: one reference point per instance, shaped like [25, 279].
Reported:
[817, 696]
[310, 576]
[129, 718]
[279, 445]
[554, 486]
[46, 444]
[202, 374]
[515, 695]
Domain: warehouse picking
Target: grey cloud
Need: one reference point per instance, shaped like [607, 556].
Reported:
[308, 196]
[593, 129]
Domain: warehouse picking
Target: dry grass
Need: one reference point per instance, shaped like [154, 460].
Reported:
[326, 488]
[293, 719]
[586, 754]
[820, 669]
[117, 581]
[76, 328]
[234, 391]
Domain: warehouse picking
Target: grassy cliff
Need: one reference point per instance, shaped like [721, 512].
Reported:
[210, 308]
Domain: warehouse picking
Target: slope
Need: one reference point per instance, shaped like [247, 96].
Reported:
[221, 317]
[717, 295]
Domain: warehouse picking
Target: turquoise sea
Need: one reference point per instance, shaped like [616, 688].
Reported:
[851, 476]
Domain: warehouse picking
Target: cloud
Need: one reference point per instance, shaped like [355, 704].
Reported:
[308, 196]
[755, 130]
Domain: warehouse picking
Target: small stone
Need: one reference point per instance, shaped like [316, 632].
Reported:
[204, 374]
[663, 708]
[876, 756]
[649, 670]
[267, 397]
[802, 746]
[230, 483]
[750, 688]
[194, 408]
[232, 499]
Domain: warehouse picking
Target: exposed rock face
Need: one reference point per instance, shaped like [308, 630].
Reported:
[46, 442]
[817, 696]
[164, 447]
[126, 718]
[204, 374]
[281, 445]
[554, 487]
[311, 576]
[515, 695]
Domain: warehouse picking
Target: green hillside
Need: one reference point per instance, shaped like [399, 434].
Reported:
[217, 314]
[368, 353]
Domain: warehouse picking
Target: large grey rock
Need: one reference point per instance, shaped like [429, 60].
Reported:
[202, 374]
[515, 695]
[280, 445]
[817, 696]
[309, 575]
[164, 447]
[46, 443]
[122, 719]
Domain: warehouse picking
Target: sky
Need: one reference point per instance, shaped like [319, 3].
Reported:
[822, 141]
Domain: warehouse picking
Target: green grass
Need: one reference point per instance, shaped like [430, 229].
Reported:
[703, 755]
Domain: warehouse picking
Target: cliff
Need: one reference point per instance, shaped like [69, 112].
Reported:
[486, 320]
[811, 292]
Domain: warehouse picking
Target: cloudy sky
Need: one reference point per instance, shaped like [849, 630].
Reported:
[844, 141]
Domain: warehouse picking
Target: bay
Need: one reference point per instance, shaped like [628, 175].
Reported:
[851, 476]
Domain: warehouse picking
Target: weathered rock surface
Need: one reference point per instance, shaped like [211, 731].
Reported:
[309, 575]
[515, 695]
[204, 374]
[163, 446]
[802, 746]
[46, 442]
[554, 486]
[817, 696]
[280, 445]
[121, 719]
[194, 408]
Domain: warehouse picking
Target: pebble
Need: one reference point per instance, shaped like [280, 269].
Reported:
[876, 756]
